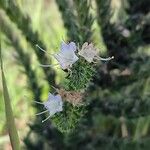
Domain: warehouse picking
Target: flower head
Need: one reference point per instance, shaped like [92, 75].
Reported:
[66, 57]
[53, 105]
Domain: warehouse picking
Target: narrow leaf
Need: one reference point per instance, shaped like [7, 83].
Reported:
[8, 110]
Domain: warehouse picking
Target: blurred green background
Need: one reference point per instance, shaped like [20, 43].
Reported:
[118, 114]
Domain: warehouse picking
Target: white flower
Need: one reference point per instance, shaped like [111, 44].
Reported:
[66, 57]
[89, 52]
[53, 105]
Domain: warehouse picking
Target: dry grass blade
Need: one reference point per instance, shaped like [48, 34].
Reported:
[8, 110]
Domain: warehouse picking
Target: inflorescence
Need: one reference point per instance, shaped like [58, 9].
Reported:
[68, 56]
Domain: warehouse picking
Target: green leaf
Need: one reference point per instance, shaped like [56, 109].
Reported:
[8, 110]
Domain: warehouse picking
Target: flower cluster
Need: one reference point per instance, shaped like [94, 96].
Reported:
[68, 55]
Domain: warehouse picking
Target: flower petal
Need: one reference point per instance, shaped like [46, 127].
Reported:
[50, 96]
[63, 46]
[72, 46]
[88, 52]
[58, 98]
[66, 57]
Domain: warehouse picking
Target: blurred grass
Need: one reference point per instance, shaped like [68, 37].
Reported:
[46, 20]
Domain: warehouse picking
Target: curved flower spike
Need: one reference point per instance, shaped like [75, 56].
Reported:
[89, 52]
[53, 105]
[66, 57]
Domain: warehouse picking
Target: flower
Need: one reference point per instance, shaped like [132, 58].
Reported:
[53, 105]
[89, 52]
[66, 57]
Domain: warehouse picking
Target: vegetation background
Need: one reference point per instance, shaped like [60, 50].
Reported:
[118, 114]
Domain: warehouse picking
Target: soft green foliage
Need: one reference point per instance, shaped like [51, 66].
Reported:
[8, 110]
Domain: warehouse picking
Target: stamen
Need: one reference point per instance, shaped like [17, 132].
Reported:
[69, 70]
[104, 59]
[54, 88]
[78, 47]
[38, 102]
[48, 65]
[46, 118]
[64, 40]
[41, 48]
[41, 112]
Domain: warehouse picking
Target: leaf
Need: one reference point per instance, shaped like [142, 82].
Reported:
[14, 139]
